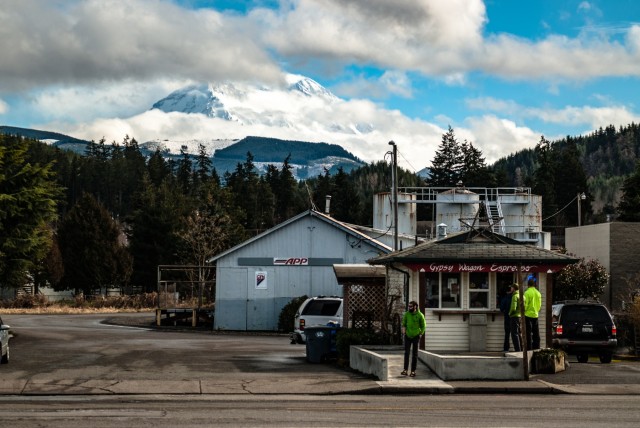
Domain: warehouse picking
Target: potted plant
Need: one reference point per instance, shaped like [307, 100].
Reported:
[548, 360]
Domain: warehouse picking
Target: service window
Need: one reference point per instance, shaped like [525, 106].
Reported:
[479, 290]
[443, 290]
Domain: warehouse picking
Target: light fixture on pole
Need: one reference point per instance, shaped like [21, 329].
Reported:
[581, 197]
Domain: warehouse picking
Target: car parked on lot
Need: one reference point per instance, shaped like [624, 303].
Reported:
[584, 328]
[320, 310]
[4, 342]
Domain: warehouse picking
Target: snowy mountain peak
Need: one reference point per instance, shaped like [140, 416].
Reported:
[237, 101]
[307, 86]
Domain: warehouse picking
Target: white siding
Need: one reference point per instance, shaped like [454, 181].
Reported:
[450, 332]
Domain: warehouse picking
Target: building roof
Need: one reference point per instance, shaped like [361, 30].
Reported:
[310, 213]
[475, 246]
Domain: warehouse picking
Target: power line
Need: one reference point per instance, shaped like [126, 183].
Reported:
[564, 208]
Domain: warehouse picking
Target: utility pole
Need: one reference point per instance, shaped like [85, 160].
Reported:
[394, 193]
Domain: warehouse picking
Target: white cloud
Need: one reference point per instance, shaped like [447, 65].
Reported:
[314, 121]
[425, 35]
[443, 39]
[75, 42]
[498, 137]
[87, 102]
[4, 107]
[587, 116]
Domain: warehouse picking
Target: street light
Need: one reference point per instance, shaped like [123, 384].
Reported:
[581, 197]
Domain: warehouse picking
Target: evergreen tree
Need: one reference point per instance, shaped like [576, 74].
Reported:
[91, 248]
[28, 202]
[203, 166]
[255, 200]
[322, 188]
[544, 178]
[152, 230]
[474, 171]
[629, 207]
[345, 202]
[445, 170]
[158, 168]
[184, 174]
[570, 181]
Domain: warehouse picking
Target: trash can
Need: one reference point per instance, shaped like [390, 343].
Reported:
[321, 342]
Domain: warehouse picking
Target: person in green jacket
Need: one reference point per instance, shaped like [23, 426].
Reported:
[514, 316]
[413, 327]
[532, 304]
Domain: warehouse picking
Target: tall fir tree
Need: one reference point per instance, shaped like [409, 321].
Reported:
[445, 170]
[93, 254]
[544, 181]
[28, 205]
[629, 207]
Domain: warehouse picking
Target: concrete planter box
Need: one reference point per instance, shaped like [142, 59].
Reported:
[547, 362]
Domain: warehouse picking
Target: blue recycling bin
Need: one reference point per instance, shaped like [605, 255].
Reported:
[321, 342]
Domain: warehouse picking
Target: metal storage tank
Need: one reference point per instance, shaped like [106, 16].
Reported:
[383, 213]
[455, 204]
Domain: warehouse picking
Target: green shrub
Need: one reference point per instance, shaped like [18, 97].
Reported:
[288, 312]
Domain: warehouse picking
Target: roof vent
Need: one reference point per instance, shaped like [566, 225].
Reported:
[442, 231]
[327, 205]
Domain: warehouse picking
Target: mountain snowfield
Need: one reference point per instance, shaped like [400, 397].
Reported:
[189, 146]
[279, 112]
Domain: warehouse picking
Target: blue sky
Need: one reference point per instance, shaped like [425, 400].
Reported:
[500, 72]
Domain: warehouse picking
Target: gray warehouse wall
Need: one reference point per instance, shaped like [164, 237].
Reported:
[240, 305]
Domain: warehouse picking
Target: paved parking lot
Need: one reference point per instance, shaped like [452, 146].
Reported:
[79, 354]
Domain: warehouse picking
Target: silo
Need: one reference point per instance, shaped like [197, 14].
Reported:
[383, 213]
[452, 205]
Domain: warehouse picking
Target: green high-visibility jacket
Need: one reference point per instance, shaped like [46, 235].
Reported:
[532, 302]
[514, 310]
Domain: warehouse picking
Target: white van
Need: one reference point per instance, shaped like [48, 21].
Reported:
[321, 310]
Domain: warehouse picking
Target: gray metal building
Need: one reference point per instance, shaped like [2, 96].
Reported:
[257, 278]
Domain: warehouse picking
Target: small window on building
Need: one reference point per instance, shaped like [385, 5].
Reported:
[432, 285]
[451, 290]
[443, 290]
[479, 290]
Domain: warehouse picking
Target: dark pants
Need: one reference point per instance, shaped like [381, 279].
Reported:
[515, 333]
[507, 333]
[411, 344]
[533, 333]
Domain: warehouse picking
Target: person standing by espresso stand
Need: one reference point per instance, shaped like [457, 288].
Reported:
[514, 316]
[413, 327]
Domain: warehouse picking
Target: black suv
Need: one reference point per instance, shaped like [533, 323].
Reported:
[583, 328]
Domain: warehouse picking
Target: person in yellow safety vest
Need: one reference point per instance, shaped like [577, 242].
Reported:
[532, 304]
[514, 316]
[413, 326]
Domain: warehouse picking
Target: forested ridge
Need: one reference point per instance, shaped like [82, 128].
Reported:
[112, 214]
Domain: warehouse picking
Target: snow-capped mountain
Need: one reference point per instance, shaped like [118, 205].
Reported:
[263, 107]
[246, 103]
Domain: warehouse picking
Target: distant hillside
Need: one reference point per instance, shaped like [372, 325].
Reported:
[272, 149]
[307, 159]
[607, 155]
[53, 138]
